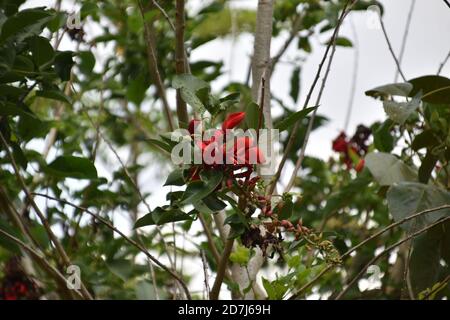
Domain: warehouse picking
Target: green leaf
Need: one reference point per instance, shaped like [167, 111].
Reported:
[382, 138]
[188, 86]
[240, 255]
[425, 259]
[434, 89]
[136, 90]
[5, 242]
[197, 190]
[424, 139]
[399, 112]
[427, 166]
[393, 89]
[275, 289]
[303, 43]
[214, 203]
[160, 144]
[24, 24]
[54, 95]
[122, 268]
[64, 64]
[41, 50]
[162, 215]
[252, 115]
[72, 167]
[342, 42]
[293, 118]
[188, 81]
[286, 211]
[87, 62]
[175, 178]
[387, 169]
[407, 198]
[233, 97]
[295, 84]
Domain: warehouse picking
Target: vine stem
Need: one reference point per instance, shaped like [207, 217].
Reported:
[129, 240]
[388, 249]
[375, 235]
[293, 136]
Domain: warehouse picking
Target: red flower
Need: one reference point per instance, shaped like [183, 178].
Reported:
[233, 120]
[192, 124]
[340, 144]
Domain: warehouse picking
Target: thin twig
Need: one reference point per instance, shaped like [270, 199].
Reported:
[388, 249]
[441, 66]
[129, 240]
[397, 63]
[405, 37]
[293, 136]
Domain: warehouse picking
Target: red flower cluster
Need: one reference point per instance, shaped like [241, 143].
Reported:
[353, 149]
[216, 153]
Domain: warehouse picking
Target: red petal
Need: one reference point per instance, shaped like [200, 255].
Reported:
[233, 120]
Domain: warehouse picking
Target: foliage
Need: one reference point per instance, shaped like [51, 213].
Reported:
[69, 119]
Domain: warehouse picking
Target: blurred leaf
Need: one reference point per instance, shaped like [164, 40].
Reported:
[293, 118]
[295, 84]
[41, 50]
[393, 89]
[433, 89]
[387, 169]
[399, 112]
[252, 115]
[407, 198]
[72, 167]
[162, 215]
[240, 255]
